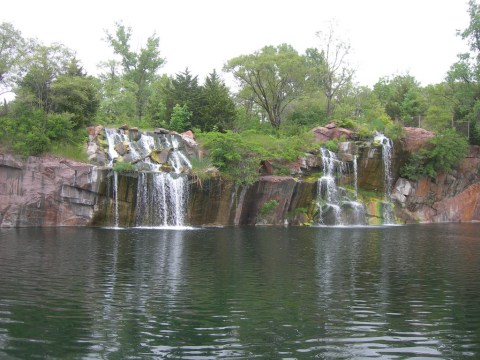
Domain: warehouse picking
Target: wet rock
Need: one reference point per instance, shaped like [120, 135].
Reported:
[122, 148]
[161, 131]
[134, 134]
[160, 156]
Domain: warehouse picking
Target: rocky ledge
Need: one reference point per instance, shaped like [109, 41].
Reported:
[46, 191]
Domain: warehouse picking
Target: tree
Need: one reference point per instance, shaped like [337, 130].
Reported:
[401, 96]
[42, 68]
[273, 77]
[328, 67]
[138, 67]
[12, 50]
[218, 108]
[179, 121]
[117, 95]
[184, 90]
[76, 95]
[463, 77]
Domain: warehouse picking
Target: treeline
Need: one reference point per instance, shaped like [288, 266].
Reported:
[280, 92]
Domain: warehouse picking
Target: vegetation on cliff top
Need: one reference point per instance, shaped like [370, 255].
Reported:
[281, 95]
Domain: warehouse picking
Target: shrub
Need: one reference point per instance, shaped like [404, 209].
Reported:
[442, 154]
[268, 207]
[123, 167]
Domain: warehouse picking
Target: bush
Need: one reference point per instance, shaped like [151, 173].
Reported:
[123, 167]
[442, 154]
[268, 207]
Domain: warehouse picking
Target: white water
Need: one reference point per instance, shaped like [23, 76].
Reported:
[328, 195]
[387, 150]
[115, 197]
[355, 175]
[161, 199]
[161, 196]
[333, 204]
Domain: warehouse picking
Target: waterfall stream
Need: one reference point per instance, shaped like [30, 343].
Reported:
[161, 196]
[387, 151]
[334, 205]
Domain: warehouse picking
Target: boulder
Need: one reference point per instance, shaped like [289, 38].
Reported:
[122, 148]
[134, 134]
[160, 156]
[331, 131]
[415, 138]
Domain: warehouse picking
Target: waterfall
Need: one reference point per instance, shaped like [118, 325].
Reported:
[328, 195]
[161, 197]
[387, 150]
[334, 204]
[355, 175]
[115, 199]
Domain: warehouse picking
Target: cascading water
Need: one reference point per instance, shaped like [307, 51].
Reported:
[334, 205]
[387, 150]
[355, 175]
[161, 196]
[115, 197]
[161, 199]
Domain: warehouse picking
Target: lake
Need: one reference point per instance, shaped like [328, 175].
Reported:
[391, 292]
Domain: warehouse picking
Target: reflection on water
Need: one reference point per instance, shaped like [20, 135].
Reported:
[391, 292]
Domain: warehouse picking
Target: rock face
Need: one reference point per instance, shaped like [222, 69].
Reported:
[49, 191]
[449, 197]
[46, 191]
[331, 131]
[217, 202]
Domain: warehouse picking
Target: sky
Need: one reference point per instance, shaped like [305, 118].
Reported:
[388, 37]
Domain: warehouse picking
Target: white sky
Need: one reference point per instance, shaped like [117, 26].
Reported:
[388, 37]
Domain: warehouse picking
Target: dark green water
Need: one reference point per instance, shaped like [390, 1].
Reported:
[272, 293]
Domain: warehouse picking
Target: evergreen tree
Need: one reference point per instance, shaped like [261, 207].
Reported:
[218, 108]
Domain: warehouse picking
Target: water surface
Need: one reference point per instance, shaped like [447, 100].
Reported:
[241, 292]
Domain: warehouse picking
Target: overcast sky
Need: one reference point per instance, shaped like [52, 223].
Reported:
[388, 37]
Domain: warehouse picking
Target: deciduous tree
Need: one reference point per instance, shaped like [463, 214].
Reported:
[138, 67]
[273, 77]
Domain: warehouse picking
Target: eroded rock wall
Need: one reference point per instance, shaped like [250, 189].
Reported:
[46, 191]
[447, 198]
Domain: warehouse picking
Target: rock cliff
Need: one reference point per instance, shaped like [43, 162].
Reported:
[50, 191]
[46, 191]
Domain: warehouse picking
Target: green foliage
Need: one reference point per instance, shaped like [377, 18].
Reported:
[179, 120]
[268, 207]
[123, 167]
[291, 214]
[138, 67]
[331, 145]
[232, 155]
[239, 155]
[443, 153]
[393, 130]
[400, 96]
[12, 51]
[272, 78]
[32, 132]
[77, 95]
[217, 109]
[200, 166]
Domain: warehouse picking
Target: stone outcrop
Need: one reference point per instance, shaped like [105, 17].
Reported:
[46, 191]
[415, 138]
[330, 132]
[448, 197]
[49, 191]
